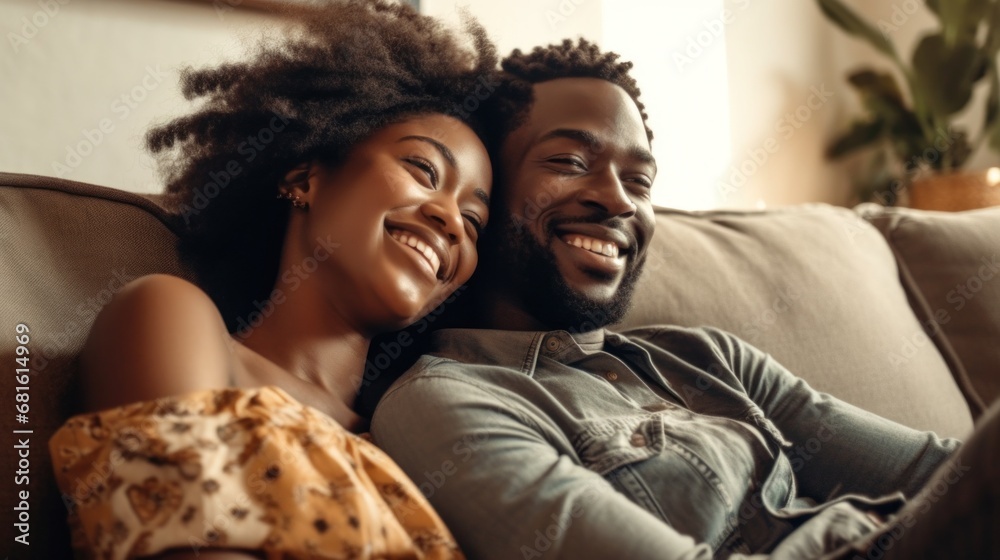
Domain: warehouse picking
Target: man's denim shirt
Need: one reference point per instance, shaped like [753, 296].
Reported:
[662, 443]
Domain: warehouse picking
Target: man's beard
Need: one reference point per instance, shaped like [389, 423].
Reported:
[513, 255]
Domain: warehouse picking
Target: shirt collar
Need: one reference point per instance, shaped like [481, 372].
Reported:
[518, 350]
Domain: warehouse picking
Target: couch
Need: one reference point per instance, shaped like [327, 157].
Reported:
[896, 311]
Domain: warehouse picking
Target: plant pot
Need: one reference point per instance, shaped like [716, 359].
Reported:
[954, 192]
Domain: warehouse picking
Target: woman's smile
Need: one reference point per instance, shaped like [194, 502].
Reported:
[420, 249]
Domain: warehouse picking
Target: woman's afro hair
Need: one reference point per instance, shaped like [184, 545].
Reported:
[339, 73]
[582, 59]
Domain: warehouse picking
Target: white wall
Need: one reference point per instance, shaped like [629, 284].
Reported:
[110, 62]
[686, 102]
[743, 95]
[727, 83]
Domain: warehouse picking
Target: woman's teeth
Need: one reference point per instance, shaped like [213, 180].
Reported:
[415, 243]
[599, 246]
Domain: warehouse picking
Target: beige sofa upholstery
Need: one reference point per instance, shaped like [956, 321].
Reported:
[818, 287]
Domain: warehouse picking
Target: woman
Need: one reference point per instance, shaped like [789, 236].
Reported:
[333, 188]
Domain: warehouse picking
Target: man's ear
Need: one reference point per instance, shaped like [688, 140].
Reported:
[296, 180]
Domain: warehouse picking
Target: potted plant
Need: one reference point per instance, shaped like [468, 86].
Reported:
[918, 149]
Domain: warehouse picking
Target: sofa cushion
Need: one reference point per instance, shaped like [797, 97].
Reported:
[951, 261]
[65, 249]
[816, 287]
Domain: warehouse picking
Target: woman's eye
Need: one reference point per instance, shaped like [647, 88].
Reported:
[425, 166]
[477, 224]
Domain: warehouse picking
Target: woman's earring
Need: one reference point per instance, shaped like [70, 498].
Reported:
[296, 201]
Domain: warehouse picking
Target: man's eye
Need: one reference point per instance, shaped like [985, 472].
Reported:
[426, 167]
[573, 163]
[643, 182]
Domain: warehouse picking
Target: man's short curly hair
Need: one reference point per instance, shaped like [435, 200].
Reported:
[582, 59]
[340, 73]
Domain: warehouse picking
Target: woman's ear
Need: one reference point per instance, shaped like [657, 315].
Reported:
[296, 180]
[294, 185]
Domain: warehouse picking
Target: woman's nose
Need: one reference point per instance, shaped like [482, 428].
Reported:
[447, 217]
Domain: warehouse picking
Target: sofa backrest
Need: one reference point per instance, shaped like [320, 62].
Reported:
[818, 288]
[65, 248]
[950, 263]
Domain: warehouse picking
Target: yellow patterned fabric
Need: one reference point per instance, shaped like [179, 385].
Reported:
[248, 469]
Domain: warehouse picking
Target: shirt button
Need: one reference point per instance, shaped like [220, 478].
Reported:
[552, 344]
[611, 375]
[637, 440]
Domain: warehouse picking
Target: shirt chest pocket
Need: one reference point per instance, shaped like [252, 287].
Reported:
[657, 454]
[606, 444]
[654, 470]
[691, 471]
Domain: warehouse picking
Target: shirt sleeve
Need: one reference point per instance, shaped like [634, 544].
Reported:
[502, 488]
[837, 448]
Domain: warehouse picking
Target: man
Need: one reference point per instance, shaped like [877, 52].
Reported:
[541, 435]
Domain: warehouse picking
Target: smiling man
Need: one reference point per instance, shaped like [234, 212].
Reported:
[577, 216]
[539, 434]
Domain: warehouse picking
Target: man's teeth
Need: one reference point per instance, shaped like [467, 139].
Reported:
[414, 242]
[599, 246]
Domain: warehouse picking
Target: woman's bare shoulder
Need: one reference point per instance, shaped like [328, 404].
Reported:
[160, 335]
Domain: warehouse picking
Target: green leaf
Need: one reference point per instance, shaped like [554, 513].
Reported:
[994, 140]
[944, 75]
[861, 134]
[846, 19]
[960, 149]
[877, 89]
[960, 19]
[934, 6]
[993, 31]
[993, 100]
[881, 96]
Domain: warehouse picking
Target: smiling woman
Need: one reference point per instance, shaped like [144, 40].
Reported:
[333, 188]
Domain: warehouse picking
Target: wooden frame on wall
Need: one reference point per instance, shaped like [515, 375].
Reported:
[267, 5]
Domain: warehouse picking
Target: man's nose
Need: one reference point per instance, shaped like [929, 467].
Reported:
[607, 194]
